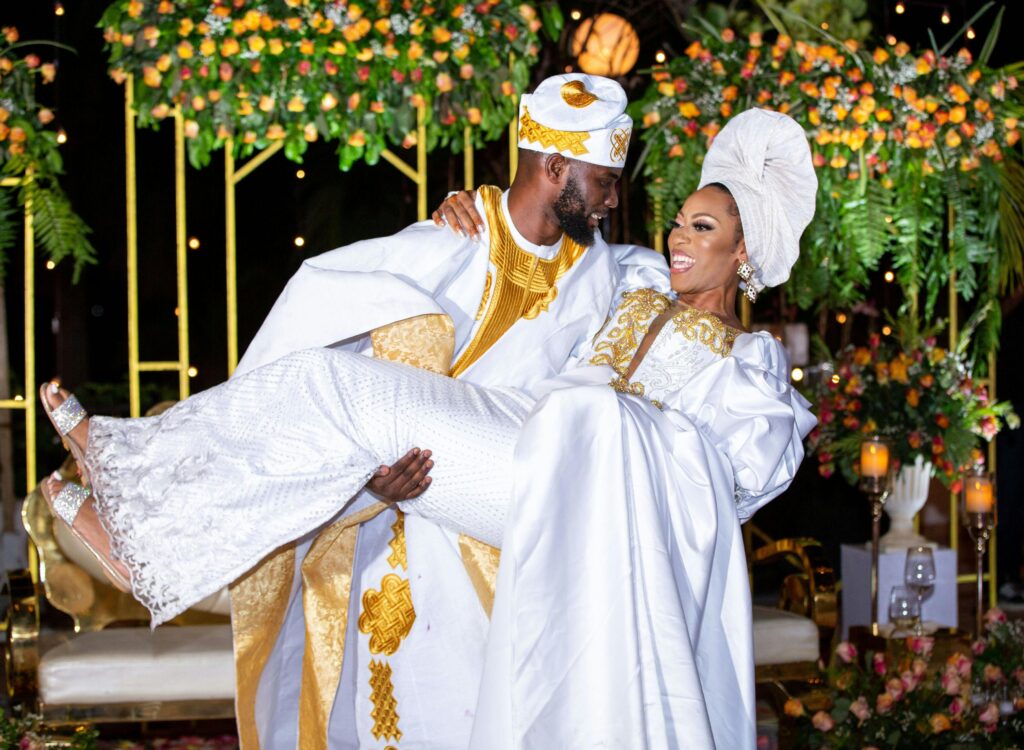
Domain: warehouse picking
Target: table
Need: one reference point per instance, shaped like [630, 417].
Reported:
[855, 568]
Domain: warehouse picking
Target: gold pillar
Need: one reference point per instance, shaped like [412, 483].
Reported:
[467, 158]
[135, 365]
[231, 180]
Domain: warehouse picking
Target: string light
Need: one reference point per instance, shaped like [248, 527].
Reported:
[575, 15]
[900, 7]
[58, 9]
[50, 265]
[890, 40]
[300, 241]
[797, 375]
[659, 57]
[970, 32]
[835, 379]
[824, 25]
[193, 243]
[840, 318]
[889, 276]
[568, 69]
[300, 174]
[62, 136]
[886, 330]
[946, 18]
[192, 371]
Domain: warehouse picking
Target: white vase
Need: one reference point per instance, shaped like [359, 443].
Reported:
[909, 494]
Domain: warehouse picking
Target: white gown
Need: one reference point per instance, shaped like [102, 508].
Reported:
[196, 496]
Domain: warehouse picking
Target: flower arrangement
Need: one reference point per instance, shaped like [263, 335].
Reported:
[895, 136]
[29, 153]
[350, 71]
[28, 734]
[920, 396]
[904, 701]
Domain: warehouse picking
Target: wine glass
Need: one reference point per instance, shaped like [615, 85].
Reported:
[919, 574]
[904, 609]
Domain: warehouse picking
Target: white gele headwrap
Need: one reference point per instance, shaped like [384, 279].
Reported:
[579, 116]
[764, 159]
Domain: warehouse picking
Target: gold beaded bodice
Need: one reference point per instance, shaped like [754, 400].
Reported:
[688, 342]
[522, 285]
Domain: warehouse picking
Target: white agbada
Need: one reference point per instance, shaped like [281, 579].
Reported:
[335, 299]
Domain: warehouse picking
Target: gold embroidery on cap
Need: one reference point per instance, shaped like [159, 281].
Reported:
[385, 707]
[620, 144]
[533, 132]
[575, 94]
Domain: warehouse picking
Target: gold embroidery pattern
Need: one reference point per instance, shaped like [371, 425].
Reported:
[698, 325]
[635, 313]
[620, 144]
[486, 296]
[532, 131]
[385, 707]
[522, 287]
[575, 94]
[397, 543]
[387, 615]
[635, 388]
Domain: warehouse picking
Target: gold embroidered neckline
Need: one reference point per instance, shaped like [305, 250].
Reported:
[523, 285]
[707, 328]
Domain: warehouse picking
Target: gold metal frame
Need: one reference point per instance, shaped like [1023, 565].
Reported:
[26, 403]
[135, 365]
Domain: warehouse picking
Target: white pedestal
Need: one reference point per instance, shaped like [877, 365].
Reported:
[855, 569]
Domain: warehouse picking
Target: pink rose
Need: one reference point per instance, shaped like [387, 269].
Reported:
[951, 682]
[909, 681]
[846, 651]
[860, 708]
[878, 662]
[894, 687]
[883, 704]
[919, 667]
[921, 644]
[993, 617]
[956, 707]
[990, 715]
[961, 664]
[822, 721]
[978, 647]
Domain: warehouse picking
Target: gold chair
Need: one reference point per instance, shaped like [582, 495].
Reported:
[110, 666]
[790, 637]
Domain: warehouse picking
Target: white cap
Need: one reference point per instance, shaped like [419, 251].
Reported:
[764, 159]
[579, 116]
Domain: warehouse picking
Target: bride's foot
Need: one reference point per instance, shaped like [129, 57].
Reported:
[69, 419]
[74, 505]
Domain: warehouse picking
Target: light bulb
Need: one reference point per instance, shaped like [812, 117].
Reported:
[900, 7]
[945, 16]
[970, 32]
[659, 56]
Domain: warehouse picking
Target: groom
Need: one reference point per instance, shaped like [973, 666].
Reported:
[372, 634]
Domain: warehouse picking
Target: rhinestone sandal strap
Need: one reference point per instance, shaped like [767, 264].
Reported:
[69, 501]
[68, 415]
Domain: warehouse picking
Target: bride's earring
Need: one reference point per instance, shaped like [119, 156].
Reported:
[746, 271]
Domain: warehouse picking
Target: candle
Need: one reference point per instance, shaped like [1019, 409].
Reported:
[874, 459]
[978, 495]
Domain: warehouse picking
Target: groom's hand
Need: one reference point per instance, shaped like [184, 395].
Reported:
[403, 480]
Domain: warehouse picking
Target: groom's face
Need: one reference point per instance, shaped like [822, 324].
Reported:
[588, 194]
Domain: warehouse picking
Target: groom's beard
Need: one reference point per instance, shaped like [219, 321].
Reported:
[573, 215]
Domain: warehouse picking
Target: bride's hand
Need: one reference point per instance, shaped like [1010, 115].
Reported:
[459, 212]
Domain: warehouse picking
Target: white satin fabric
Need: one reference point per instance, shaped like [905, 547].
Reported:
[622, 615]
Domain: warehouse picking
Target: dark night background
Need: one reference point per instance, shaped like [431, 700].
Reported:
[81, 331]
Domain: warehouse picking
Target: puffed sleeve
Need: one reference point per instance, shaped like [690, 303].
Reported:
[746, 407]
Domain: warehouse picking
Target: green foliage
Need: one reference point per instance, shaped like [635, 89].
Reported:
[29, 153]
[28, 733]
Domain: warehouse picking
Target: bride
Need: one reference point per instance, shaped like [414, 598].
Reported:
[641, 485]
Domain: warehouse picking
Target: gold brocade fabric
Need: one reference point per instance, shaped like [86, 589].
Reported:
[698, 325]
[481, 562]
[425, 341]
[385, 707]
[523, 285]
[633, 318]
[258, 603]
[326, 587]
